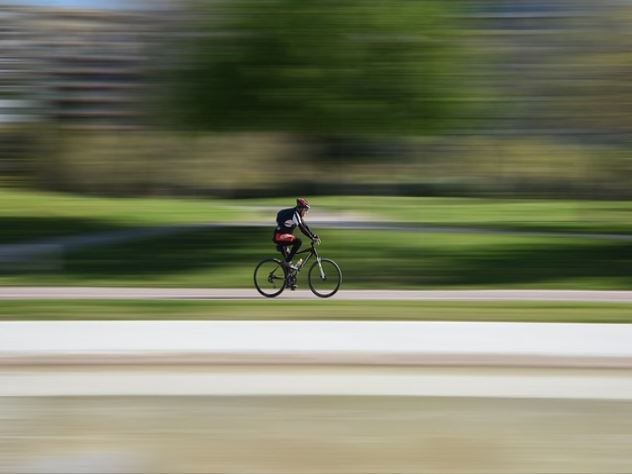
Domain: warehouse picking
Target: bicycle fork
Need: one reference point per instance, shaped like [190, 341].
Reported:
[320, 267]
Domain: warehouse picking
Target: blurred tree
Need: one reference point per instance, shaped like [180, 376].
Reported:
[317, 67]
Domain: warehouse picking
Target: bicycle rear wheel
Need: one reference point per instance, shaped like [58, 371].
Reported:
[269, 277]
[324, 278]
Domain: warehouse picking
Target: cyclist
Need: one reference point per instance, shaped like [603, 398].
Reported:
[287, 221]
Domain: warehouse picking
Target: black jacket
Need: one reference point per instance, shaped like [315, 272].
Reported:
[289, 219]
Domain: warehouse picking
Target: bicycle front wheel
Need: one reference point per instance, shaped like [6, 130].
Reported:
[270, 277]
[324, 278]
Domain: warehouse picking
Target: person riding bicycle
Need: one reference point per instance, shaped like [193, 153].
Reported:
[287, 221]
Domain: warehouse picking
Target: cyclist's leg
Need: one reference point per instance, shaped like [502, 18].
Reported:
[296, 244]
[283, 241]
[283, 250]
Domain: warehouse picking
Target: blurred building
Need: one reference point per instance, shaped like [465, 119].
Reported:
[16, 68]
[550, 64]
[79, 68]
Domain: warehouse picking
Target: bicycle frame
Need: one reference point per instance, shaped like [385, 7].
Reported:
[290, 276]
[312, 253]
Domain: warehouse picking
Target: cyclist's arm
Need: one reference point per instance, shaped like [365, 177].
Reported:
[304, 228]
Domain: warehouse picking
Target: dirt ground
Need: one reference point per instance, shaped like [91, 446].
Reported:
[313, 434]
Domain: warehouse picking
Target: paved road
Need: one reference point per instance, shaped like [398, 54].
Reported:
[277, 380]
[125, 293]
[402, 343]
[82, 415]
[325, 337]
[280, 358]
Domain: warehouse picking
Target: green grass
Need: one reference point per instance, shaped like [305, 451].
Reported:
[369, 259]
[319, 310]
[29, 215]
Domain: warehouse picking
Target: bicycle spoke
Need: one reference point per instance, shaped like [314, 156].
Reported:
[324, 278]
[269, 278]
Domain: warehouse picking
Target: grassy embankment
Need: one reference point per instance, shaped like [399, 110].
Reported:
[369, 259]
[27, 215]
[225, 258]
[30, 216]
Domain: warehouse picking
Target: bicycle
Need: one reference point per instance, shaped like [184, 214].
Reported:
[324, 277]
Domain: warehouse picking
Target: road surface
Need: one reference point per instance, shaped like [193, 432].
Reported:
[358, 343]
[219, 397]
[126, 293]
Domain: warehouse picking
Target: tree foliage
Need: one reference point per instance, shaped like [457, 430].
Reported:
[317, 66]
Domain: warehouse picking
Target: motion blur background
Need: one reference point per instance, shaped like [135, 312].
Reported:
[483, 115]
[251, 98]
[442, 143]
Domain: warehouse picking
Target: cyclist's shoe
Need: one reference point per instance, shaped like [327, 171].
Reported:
[291, 283]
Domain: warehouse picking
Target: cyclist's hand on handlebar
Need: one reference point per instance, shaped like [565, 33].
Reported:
[316, 240]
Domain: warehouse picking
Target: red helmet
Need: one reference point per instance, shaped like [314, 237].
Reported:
[302, 203]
